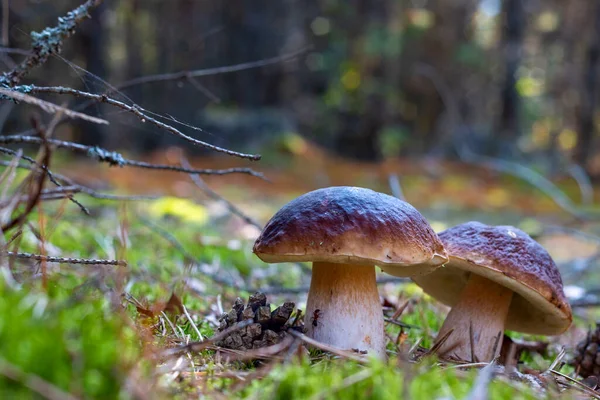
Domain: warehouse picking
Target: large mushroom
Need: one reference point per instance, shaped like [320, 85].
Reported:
[345, 232]
[497, 278]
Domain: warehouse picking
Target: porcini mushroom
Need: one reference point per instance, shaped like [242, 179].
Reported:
[497, 278]
[345, 232]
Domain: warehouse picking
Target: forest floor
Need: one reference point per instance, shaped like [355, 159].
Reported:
[144, 330]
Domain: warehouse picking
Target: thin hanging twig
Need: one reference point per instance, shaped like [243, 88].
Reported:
[136, 110]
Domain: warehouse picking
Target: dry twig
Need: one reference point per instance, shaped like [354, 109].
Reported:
[37, 180]
[114, 158]
[63, 260]
[50, 108]
[136, 110]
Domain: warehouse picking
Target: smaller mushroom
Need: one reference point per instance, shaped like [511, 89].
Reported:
[497, 278]
[345, 232]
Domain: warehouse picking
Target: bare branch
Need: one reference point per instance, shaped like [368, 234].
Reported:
[211, 71]
[55, 177]
[114, 158]
[64, 260]
[38, 181]
[138, 112]
[50, 108]
[49, 42]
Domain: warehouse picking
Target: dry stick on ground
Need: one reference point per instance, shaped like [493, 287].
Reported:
[114, 158]
[199, 346]
[268, 352]
[136, 110]
[326, 347]
[576, 384]
[33, 382]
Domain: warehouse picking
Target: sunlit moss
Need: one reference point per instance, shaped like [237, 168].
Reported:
[183, 209]
[351, 79]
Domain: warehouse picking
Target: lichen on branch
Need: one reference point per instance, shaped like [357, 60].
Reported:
[48, 42]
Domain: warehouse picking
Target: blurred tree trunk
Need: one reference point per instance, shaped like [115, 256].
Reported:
[133, 47]
[513, 33]
[358, 130]
[445, 76]
[589, 94]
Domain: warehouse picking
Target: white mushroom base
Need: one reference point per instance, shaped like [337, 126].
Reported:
[477, 321]
[350, 315]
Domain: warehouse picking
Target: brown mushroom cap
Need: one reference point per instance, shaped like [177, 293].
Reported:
[509, 257]
[352, 225]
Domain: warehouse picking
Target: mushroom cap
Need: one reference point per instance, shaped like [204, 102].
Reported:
[352, 225]
[509, 257]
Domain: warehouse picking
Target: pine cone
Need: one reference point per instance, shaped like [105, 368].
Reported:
[268, 328]
[587, 354]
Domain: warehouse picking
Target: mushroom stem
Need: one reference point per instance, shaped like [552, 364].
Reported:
[350, 314]
[477, 321]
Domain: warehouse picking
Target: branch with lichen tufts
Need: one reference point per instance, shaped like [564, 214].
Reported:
[49, 42]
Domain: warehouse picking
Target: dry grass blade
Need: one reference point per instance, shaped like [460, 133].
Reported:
[400, 323]
[472, 342]
[8, 176]
[575, 383]
[192, 323]
[50, 108]
[439, 343]
[561, 354]
[468, 365]
[401, 309]
[480, 389]
[199, 346]
[35, 179]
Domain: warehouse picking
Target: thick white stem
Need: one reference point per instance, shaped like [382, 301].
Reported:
[477, 321]
[350, 314]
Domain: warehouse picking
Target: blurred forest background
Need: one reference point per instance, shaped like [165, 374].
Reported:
[371, 80]
[469, 109]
